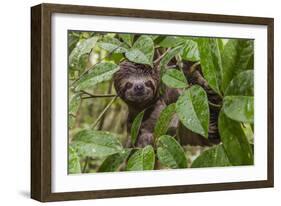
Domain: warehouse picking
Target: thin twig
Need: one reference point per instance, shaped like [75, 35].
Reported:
[95, 95]
[103, 112]
[172, 66]
[160, 57]
[215, 105]
[109, 90]
[193, 67]
[179, 63]
[100, 96]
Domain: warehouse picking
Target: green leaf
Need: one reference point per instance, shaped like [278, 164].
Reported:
[142, 51]
[214, 157]
[190, 51]
[127, 38]
[221, 45]
[170, 153]
[210, 60]
[142, 159]
[162, 124]
[234, 141]
[249, 132]
[74, 102]
[241, 85]
[238, 103]
[71, 121]
[167, 58]
[193, 110]
[237, 57]
[169, 55]
[174, 78]
[239, 108]
[172, 41]
[96, 143]
[83, 47]
[72, 41]
[101, 72]
[113, 162]
[136, 126]
[74, 166]
[111, 44]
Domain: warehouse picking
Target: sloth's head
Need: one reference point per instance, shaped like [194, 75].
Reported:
[136, 83]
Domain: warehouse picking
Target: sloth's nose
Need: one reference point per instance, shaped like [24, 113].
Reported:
[139, 88]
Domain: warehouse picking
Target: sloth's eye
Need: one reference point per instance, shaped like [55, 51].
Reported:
[128, 85]
[149, 83]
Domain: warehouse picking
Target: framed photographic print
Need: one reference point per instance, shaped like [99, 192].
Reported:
[130, 102]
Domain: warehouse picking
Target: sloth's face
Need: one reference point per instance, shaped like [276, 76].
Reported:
[136, 84]
[139, 90]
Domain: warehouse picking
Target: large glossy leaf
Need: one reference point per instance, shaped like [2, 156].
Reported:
[113, 162]
[210, 59]
[136, 126]
[170, 153]
[237, 57]
[81, 48]
[190, 51]
[127, 38]
[100, 73]
[241, 85]
[193, 110]
[142, 159]
[74, 166]
[142, 51]
[221, 45]
[96, 143]
[162, 124]
[238, 103]
[174, 78]
[214, 157]
[172, 41]
[235, 142]
[239, 108]
[111, 44]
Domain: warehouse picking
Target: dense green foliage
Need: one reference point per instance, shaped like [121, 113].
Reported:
[97, 118]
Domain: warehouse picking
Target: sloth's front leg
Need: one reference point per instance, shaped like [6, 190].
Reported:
[144, 139]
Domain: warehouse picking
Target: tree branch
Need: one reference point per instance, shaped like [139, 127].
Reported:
[95, 95]
[100, 96]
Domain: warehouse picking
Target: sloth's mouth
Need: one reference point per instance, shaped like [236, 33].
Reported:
[139, 93]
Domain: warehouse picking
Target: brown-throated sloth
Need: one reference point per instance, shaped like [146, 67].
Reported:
[138, 86]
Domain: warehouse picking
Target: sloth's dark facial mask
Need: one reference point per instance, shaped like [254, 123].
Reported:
[139, 90]
[136, 83]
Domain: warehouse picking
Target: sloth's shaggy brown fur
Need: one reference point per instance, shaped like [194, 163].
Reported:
[138, 86]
